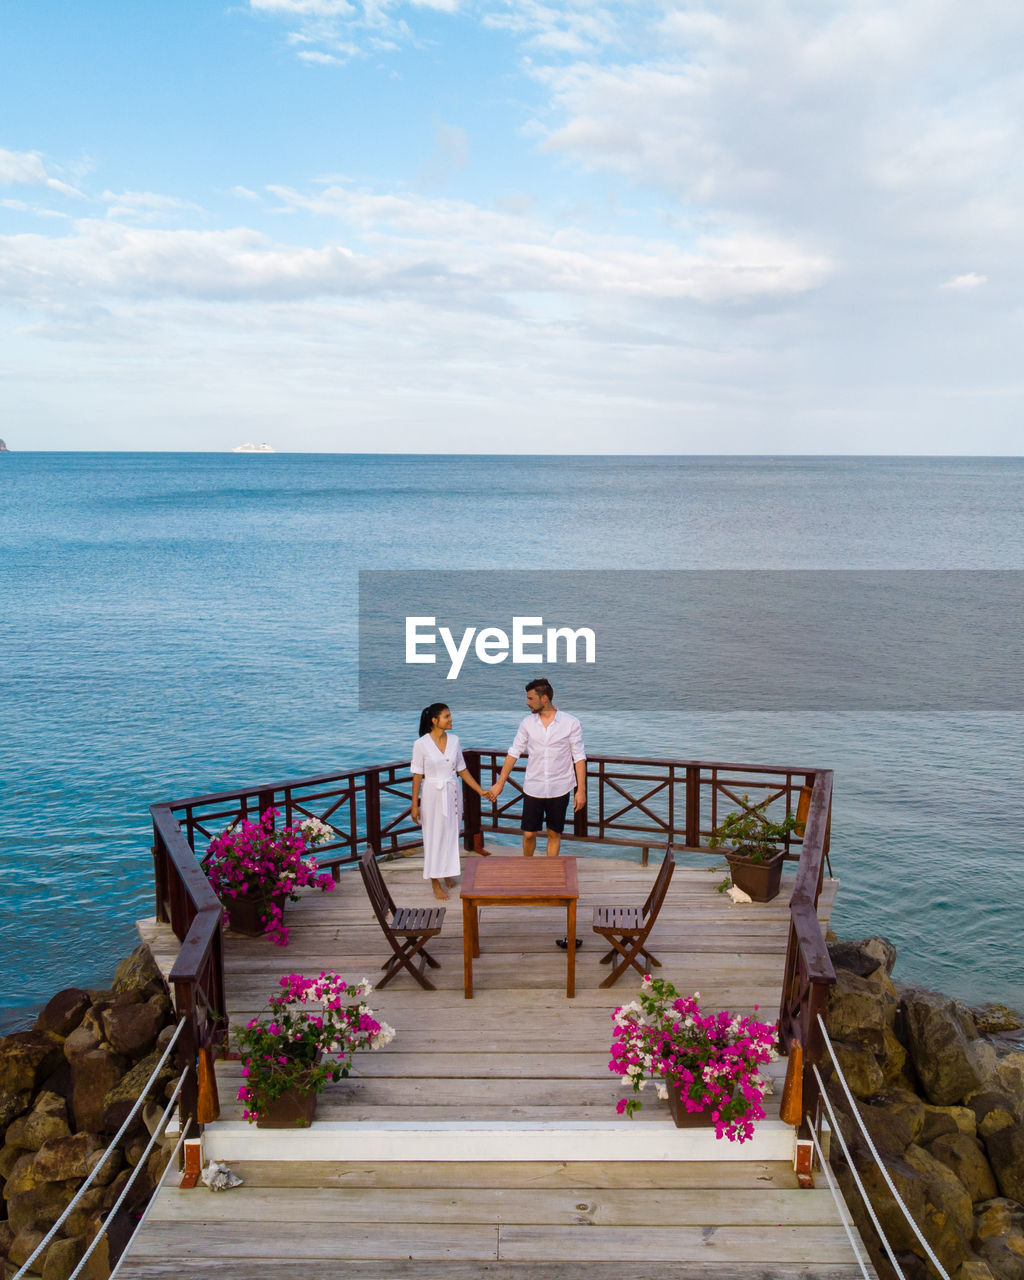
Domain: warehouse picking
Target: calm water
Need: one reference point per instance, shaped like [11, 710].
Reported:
[173, 624]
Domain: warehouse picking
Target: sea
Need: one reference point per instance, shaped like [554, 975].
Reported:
[175, 624]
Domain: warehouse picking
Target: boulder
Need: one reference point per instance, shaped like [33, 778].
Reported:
[974, 1269]
[134, 995]
[24, 1245]
[965, 1156]
[999, 1237]
[132, 1029]
[994, 1122]
[937, 1039]
[860, 1009]
[860, 1069]
[109, 1166]
[20, 1177]
[137, 970]
[948, 1223]
[62, 1257]
[64, 1011]
[1010, 1074]
[991, 1019]
[123, 1095]
[65, 1158]
[6, 1238]
[82, 1040]
[9, 1157]
[48, 1119]
[985, 1100]
[93, 1019]
[13, 1104]
[92, 1203]
[1005, 1150]
[937, 1121]
[26, 1059]
[93, 1075]
[41, 1206]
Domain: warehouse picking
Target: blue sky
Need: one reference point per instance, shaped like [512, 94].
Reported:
[512, 226]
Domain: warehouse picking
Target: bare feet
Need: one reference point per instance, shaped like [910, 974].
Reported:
[449, 883]
[440, 893]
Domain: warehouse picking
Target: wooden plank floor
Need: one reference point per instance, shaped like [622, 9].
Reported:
[519, 1053]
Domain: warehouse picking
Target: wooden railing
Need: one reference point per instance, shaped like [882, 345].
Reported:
[630, 801]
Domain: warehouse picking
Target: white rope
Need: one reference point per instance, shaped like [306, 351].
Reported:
[140, 1164]
[885, 1172]
[856, 1176]
[152, 1200]
[844, 1215]
[99, 1165]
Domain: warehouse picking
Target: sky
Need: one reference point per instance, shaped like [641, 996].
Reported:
[508, 226]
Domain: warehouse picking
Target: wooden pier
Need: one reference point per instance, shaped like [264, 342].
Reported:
[483, 1141]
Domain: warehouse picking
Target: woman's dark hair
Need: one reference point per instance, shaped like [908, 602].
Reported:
[429, 714]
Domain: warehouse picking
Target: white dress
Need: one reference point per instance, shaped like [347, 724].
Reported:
[440, 804]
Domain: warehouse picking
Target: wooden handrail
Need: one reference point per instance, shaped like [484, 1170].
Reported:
[369, 808]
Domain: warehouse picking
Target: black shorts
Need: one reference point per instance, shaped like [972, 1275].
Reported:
[544, 813]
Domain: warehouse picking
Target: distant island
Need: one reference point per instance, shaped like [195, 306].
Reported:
[3, 447]
[253, 448]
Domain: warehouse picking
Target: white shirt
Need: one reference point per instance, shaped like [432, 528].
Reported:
[552, 751]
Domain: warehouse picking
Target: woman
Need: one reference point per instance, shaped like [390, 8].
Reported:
[437, 764]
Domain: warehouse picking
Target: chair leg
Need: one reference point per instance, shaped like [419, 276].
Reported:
[403, 957]
[629, 957]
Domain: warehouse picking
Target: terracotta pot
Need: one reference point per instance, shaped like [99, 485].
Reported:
[244, 912]
[760, 879]
[294, 1109]
[687, 1119]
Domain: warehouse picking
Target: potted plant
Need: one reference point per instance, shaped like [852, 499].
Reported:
[306, 1036]
[705, 1065]
[254, 869]
[755, 858]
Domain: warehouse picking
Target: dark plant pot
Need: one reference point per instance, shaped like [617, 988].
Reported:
[760, 879]
[244, 912]
[294, 1109]
[687, 1119]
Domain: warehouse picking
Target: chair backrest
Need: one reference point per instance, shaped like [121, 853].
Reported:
[376, 889]
[660, 887]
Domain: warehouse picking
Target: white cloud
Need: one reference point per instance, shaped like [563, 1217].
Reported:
[966, 283]
[28, 169]
[243, 193]
[144, 206]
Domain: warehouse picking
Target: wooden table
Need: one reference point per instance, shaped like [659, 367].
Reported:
[517, 882]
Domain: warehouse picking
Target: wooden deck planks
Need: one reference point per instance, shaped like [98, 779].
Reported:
[518, 1052]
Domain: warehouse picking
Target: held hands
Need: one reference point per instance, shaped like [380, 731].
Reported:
[492, 793]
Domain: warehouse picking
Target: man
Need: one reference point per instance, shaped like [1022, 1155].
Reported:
[556, 763]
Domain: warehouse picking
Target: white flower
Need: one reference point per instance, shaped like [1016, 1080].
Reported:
[662, 1091]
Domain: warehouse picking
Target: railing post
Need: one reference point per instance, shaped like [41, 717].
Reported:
[817, 1002]
[472, 812]
[579, 817]
[692, 836]
[187, 1051]
[373, 810]
[265, 801]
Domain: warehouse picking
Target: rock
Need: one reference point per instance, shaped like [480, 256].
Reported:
[94, 1074]
[948, 1223]
[904, 1108]
[109, 1166]
[82, 1040]
[132, 1029]
[24, 1245]
[999, 1237]
[9, 1157]
[892, 1061]
[939, 1120]
[994, 1122]
[64, 1011]
[12, 1105]
[93, 1019]
[1006, 1155]
[6, 1238]
[134, 995]
[122, 1096]
[62, 1257]
[41, 1206]
[1010, 1074]
[990, 1019]
[93, 1202]
[974, 1269]
[860, 1009]
[26, 1059]
[65, 1157]
[965, 1156]
[48, 1119]
[985, 1061]
[985, 1100]
[20, 1178]
[937, 1038]
[162, 1002]
[860, 1069]
[164, 1038]
[137, 970]
[136, 1146]
[864, 957]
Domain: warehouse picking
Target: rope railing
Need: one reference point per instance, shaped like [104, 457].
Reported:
[844, 1214]
[943, 1274]
[129, 1119]
[156, 1191]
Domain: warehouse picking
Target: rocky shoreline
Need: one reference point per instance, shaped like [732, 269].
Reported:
[66, 1087]
[940, 1088]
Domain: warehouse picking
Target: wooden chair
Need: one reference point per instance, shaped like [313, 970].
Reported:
[626, 928]
[408, 929]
